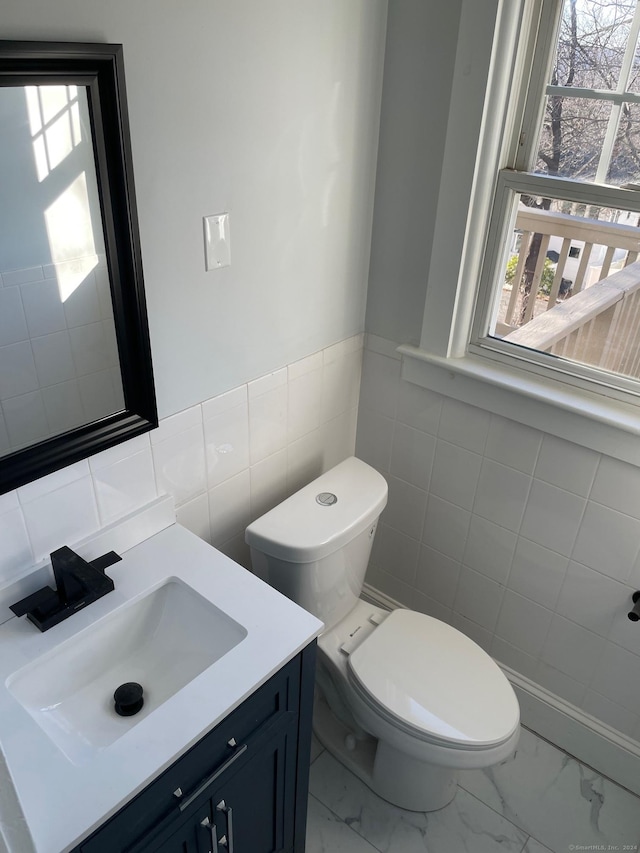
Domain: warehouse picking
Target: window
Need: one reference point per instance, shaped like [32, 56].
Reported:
[531, 308]
[562, 290]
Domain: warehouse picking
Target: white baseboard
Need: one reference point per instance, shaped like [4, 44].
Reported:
[563, 724]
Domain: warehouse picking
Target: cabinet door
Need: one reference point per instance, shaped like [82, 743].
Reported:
[253, 808]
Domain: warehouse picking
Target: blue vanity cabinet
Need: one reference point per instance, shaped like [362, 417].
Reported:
[241, 789]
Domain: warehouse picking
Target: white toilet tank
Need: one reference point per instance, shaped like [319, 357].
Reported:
[315, 546]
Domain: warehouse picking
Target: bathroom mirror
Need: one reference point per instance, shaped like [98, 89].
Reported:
[75, 361]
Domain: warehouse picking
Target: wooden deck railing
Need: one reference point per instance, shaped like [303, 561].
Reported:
[597, 326]
[598, 321]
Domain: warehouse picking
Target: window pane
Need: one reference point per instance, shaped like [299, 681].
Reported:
[625, 159]
[571, 284]
[572, 136]
[592, 42]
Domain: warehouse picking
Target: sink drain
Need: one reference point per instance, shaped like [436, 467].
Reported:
[128, 698]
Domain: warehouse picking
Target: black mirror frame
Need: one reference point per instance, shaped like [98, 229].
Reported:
[100, 68]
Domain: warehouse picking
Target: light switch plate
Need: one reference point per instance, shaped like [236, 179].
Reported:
[217, 241]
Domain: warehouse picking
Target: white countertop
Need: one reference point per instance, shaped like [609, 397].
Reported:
[63, 802]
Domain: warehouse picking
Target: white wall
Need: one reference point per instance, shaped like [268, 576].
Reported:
[528, 543]
[419, 59]
[267, 110]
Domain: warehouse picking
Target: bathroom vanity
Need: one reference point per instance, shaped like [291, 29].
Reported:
[218, 757]
[241, 789]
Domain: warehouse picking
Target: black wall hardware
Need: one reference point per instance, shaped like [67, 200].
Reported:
[634, 614]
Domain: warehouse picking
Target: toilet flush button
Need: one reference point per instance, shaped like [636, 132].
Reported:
[326, 499]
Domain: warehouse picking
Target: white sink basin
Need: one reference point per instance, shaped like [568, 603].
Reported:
[162, 641]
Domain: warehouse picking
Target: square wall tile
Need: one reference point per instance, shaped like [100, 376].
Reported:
[62, 517]
[572, 649]
[91, 349]
[501, 494]
[125, 486]
[523, 623]
[478, 599]
[179, 464]
[566, 465]
[412, 453]
[455, 474]
[419, 408]
[560, 684]
[304, 406]
[341, 384]
[617, 485]
[226, 439]
[82, 305]
[339, 438]
[45, 485]
[395, 553]
[374, 438]
[229, 508]
[617, 674]
[537, 573]
[267, 422]
[437, 576]
[446, 527]
[552, 517]
[380, 383]
[514, 658]
[608, 541]
[194, 515]
[513, 444]
[475, 632]
[489, 549]
[305, 458]
[464, 425]
[591, 599]
[268, 484]
[405, 508]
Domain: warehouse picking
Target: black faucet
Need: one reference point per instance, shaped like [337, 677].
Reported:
[78, 583]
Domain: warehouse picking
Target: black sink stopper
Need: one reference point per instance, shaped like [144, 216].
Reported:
[128, 698]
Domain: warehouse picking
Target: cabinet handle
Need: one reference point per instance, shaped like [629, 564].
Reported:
[240, 750]
[210, 829]
[228, 813]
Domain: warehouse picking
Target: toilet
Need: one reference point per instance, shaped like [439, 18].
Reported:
[403, 700]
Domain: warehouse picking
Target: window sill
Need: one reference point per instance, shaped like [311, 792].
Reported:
[590, 420]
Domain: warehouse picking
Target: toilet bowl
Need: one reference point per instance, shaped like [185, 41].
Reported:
[404, 700]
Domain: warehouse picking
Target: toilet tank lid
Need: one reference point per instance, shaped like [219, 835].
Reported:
[310, 524]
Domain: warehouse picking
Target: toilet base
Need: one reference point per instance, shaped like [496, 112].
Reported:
[394, 776]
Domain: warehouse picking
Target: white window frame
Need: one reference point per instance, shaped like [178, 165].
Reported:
[575, 404]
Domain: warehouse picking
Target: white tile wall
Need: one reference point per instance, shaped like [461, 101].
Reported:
[527, 542]
[224, 462]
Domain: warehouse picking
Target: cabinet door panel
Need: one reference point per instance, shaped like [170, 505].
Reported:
[260, 799]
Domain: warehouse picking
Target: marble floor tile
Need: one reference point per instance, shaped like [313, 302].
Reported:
[316, 748]
[559, 801]
[464, 826]
[326, 833]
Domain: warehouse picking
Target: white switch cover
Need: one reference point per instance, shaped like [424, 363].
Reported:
[217, 241]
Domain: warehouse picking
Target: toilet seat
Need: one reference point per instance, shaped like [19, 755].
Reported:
[434, 683]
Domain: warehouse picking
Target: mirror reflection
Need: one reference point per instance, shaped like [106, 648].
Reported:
[59, 364]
